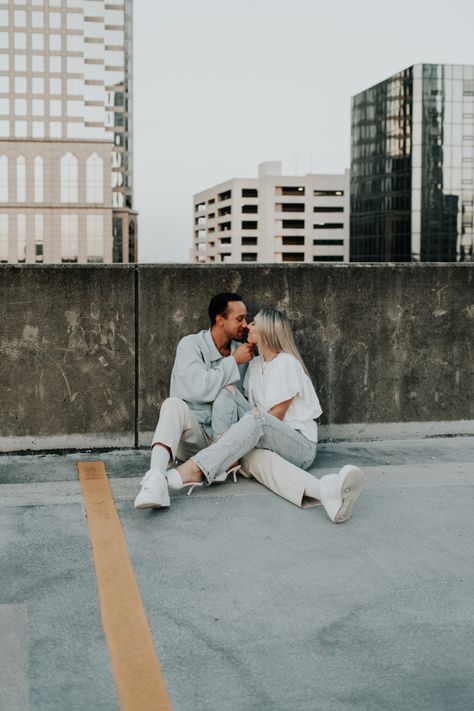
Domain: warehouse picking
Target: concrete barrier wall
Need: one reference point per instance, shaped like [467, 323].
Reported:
[389, 347]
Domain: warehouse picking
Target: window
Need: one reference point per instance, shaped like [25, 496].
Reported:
[249, 256]
[297, 190]
[38, 129]
[249, 192]
[20, 62]
[95, 238]
[20, 179]
[20, 129]
[55, 64]
[39, 238]
[331, 242]
[226, 195]
[20, 107]
[37, 19]
[55, 87]
[69, 182]
[4, 128]
[293, 224]
[69, 238]
[291, 206]
[327, 193]
[328, 226]
[292, 240]
[37, 63]
[249, 224]
[249, 240]
[328, 209]
[37, 85]
[37, 41]
[21, 237]
[55, 43]
[3, 238]
[95, 178]
[38, 169]
[20, 85]
[328, 258]
[3, 179]
[249, 209]
[19, 39]
[224, 211]
[292, 257]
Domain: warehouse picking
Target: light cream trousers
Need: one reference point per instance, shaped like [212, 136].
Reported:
[179, 430]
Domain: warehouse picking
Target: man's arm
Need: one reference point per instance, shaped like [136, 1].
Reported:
[201, 383]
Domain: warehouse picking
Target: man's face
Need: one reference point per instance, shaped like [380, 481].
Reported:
[235, 323]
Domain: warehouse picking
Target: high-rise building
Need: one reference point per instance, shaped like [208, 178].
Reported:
[66, 131]
[273, 218]
[412, 167]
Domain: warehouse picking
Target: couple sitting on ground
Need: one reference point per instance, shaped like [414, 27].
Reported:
[269, 434]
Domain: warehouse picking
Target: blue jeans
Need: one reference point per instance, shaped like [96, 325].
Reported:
[244, 430]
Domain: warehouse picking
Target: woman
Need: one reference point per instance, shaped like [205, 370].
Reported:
[280, 416]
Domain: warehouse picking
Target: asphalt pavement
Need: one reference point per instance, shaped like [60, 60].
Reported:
[253, 603]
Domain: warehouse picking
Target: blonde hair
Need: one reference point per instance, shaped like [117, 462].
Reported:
[276, 334]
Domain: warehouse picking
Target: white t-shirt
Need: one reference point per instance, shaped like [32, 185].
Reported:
[269, 383]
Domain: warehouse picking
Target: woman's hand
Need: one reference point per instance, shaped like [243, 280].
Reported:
[281, 409]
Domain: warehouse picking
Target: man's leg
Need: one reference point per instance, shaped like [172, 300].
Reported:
[177, 434]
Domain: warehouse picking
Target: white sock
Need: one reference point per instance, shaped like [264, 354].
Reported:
[159, 459]
[313, 489]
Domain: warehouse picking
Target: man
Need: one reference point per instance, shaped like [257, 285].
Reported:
[205, 362]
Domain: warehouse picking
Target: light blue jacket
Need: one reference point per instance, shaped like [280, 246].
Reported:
[200, 372]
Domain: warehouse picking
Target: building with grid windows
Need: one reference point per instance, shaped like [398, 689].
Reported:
[66, 131]
[273, 218]
[412, 167]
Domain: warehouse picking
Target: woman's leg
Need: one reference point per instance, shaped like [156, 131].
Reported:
[283, 478]
[255, 430]
[228, 408]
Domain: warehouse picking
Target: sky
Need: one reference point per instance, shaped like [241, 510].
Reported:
[223, 85]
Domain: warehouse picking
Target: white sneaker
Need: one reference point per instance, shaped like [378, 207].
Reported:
[339, 492]
[154, 491]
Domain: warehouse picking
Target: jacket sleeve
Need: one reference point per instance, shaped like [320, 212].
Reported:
[201, 383]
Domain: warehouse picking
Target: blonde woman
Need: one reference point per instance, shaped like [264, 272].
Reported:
[279, 415]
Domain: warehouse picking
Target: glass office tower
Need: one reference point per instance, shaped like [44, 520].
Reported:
[412, 167]
[66, 131]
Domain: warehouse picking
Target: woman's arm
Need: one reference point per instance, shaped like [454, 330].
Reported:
[280, 409]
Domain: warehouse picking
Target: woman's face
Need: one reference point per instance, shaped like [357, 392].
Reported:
[253, 333]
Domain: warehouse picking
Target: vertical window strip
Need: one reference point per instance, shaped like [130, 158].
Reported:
[39, 238]
[39, 179]
[95, 178]
[21, 237]
[3, 238]
[69, 248]
[95, 238]
[3, 179]
[69, 179]
[21, 179]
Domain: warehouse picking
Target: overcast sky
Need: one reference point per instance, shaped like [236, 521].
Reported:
[223, 85]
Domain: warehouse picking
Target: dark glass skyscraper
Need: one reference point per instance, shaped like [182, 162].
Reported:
[412, 167]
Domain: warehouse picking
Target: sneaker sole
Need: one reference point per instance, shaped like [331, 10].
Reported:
[351, 489]
[151, 506]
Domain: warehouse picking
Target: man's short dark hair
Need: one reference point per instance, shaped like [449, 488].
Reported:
[219, 304]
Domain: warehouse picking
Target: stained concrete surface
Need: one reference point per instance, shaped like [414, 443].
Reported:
[253, 603]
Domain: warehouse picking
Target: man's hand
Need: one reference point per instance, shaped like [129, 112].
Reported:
[244, 353]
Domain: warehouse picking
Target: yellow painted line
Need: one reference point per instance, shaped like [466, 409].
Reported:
[136, 668]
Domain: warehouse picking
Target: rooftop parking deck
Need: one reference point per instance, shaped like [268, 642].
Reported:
[253, 603]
